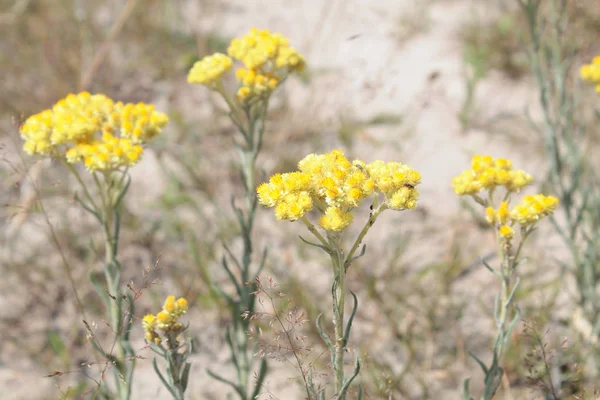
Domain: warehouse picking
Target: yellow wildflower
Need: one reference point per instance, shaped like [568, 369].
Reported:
[506, 232]
[210, 69]
[490, 215]
[533, 208]
[487, 173]
[591, 72]
[149, 322]
[82, 127]
[503, 213]
[181, 306]
[169, 305]
[335, 219]
[336, 186]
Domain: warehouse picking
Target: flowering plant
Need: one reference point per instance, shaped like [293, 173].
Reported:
[490, 176]
[266, 60]
[334, 186]
[169, 346]
[108, 139]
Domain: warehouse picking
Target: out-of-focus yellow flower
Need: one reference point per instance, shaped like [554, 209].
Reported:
[261, 49]
[503, 214]
[506, 232]
[169, 305]
[336, 186]
[166, 320]
[267, 57]
[335, 219]
[210, 69]
[149, 322]
[533, 208]
[255, 84]
[490, 215]
[487, 173]
[181, 306]
[82, 127]
[591, 72]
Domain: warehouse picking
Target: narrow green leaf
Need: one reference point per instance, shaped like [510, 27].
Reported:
[162, 379]
[348, 381]
[466, 395]
[481, 364]
[349, 325]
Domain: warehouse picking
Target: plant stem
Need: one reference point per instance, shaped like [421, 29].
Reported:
[337, 260]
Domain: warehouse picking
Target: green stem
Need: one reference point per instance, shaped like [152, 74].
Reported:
[337, 260]
[363, 233]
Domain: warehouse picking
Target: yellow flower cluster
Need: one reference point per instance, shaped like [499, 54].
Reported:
[487, 173]
[533, 208]
[82, 127]
[591, 72]
[166, 320]
[526, 213]
[267, 58]
[335, 186]
[210, 69]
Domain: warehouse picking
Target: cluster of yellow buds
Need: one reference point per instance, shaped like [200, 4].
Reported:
[487, 173]
[166, 320]
[267, 57]
[591, 72]
[84, 127]
[335, 186]
[528, 212]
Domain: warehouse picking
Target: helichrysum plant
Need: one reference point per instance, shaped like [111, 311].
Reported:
[568, 140]
[107, 138]
[334, 187]
[164, 332]
[492, 183]
[265, 60]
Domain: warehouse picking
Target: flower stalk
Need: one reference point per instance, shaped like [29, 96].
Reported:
[267, 60]
[107, 138]
[489, 175]
[334, 187]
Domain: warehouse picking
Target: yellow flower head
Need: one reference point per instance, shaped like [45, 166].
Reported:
[84, 128]
[261, 49]
[533, 208]
[487, 173]
[210, 69]
[336, 186]
[591, 72]
[181, 306]
[267, 59]
[169, 305]
[335, 219]
[490, 215]
[149, 323]
[506, 232]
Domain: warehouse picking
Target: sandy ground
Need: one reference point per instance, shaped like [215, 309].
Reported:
[364, 65]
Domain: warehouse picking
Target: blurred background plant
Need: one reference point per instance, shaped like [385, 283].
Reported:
[490, 176]
[568, 135]
[169, 346]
